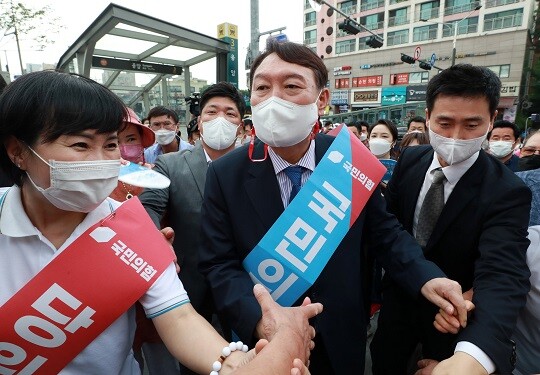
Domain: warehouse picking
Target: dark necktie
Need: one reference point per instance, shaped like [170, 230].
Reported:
[294, 172]
[431, 208]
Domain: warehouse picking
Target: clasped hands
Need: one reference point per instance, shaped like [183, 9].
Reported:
[448, 321]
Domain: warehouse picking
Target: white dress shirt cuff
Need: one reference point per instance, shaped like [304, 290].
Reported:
[477, 353]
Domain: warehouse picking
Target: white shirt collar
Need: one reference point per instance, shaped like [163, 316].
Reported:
[14, 221]
[307, 160]
[454, 172]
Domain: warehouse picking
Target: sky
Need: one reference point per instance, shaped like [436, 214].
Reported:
[202, 16]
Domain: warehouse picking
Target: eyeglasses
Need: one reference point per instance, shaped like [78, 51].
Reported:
[160, 125]
[529, 151]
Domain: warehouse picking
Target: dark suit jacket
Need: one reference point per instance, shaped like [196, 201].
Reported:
[242, 201]
[182, 200]
[480, 240]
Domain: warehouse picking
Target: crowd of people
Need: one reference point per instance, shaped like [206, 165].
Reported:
[438, 274]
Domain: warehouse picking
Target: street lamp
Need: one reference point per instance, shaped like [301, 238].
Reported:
[349, 25]
[455, 26]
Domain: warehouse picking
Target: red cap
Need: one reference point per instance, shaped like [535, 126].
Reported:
[147, 135]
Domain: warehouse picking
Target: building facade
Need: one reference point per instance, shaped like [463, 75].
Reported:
[494, 33]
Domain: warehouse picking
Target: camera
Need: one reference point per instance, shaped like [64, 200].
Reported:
[193, 102]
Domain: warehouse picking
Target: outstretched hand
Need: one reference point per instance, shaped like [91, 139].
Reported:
[446, 294]
[292, 319]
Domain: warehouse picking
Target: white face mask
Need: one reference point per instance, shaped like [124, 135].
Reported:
[379, 146]
[363, 136]
[79, 186]
[165, 137]
[500, 149]
[280, 123]
[455, 151]
[219, 133]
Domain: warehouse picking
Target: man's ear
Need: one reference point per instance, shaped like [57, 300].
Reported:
[322, 101]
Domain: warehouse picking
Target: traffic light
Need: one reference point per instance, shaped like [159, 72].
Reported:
[349, 27]
[424, 65]
[407, 59]
[374, 42]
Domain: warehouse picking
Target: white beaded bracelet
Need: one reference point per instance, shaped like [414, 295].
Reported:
[232, 347]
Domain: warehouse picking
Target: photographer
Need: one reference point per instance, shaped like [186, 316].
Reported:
[164, 122]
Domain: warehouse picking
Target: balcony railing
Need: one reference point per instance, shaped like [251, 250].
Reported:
[462, 29]
[398, 20]
[371, 5]
[374, 25]
[421, 35]
[349, 10]
[310, 41]
[308, 23]
[345, 47]
[460, 8]
[426, 14]
[503, 22]
[395, 39]
[497, 3]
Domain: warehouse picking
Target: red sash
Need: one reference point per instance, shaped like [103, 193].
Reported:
[81, 292]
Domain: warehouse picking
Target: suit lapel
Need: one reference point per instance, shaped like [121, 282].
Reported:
[464, 191]
[262, 188]
[196, 161]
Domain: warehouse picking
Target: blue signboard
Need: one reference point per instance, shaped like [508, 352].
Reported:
[393, 95]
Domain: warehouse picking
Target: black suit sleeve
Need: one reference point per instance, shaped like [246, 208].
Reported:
[221, 263]
[155, 201]
[501, 276]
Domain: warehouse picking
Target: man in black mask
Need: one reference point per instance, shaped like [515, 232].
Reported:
[529, 165]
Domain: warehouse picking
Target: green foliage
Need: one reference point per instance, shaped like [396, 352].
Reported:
[29, 23]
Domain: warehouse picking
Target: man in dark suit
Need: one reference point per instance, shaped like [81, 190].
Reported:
[478, 239]
[244, 197]
[222, 108]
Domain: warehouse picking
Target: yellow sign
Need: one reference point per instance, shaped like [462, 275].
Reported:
[227, 30]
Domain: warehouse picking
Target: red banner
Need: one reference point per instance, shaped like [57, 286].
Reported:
[81, 292]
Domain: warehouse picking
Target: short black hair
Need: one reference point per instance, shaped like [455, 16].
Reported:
[505, 124]
[50, 104]
[416, 119]
[466, 81]
[227, 90]
[295, 54]
[3, 83]
[389, 124]
[162, 111]
[362, 123]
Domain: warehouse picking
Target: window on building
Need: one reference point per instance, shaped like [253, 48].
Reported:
[497, 3]
[503, 20]
[425, 33]
[502, 71]
[310, 36]
[371, 4]
[459, 6]
[397, 37]
[373, 21]
[398, 17]
[346, 46]
[419, 77]
[466, 26]
[429, 10]
[310, 19]
[347, 7]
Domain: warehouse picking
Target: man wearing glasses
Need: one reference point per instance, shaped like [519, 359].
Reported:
[164, 122]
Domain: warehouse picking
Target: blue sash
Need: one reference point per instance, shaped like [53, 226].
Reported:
[293, 253]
